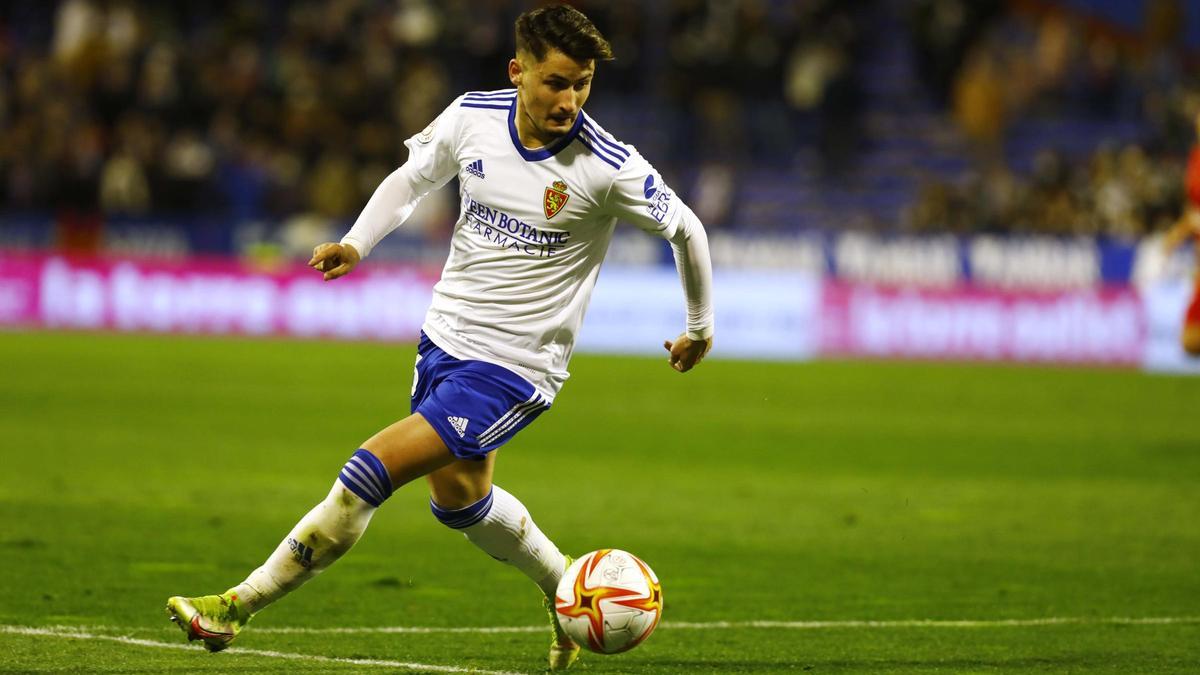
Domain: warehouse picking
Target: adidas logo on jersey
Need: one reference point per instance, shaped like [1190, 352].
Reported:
[459, 424]
[476, 168]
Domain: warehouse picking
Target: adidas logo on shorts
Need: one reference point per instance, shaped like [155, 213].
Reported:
[459, 424]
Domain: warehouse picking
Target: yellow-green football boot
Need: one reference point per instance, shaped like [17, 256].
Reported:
[563, 650]
[215, 619]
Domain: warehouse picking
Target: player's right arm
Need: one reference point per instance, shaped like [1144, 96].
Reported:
[432, 162]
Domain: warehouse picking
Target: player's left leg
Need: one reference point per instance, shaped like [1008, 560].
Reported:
[463, 497]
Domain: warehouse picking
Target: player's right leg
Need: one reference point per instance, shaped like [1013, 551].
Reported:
[400, 453]
[476, 408]
[463, 498]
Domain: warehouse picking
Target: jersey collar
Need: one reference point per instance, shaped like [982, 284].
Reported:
[546, 151]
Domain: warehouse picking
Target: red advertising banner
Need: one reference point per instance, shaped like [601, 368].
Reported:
[813, 318]
[212, 296]
[1103, 325]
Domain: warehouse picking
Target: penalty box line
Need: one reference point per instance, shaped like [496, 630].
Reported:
[75, 634]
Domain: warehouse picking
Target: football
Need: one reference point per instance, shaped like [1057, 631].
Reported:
[609, 601]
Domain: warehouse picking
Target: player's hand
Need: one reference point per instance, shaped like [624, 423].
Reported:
[685, 352]
[335, 260]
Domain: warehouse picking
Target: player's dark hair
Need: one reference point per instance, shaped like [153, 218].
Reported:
[563, 28]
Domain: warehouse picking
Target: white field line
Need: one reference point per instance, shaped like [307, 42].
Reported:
[75, 634]
[710, 625]
[714, 625]
[947, 623]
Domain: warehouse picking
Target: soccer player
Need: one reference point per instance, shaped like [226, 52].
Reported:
[1188, 227]
[542, 186]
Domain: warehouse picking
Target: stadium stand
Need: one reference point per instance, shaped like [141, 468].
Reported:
[245, 120]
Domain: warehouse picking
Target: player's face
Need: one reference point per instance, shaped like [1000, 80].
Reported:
[551, 92]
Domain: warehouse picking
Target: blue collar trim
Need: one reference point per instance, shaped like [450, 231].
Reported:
[543, 152]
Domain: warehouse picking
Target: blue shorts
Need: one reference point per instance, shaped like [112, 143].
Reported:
[474, 406]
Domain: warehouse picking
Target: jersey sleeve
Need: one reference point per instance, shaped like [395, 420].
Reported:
[639, 195]
[432, 162]
[433, 153]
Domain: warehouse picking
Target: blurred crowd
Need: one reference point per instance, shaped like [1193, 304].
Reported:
[259, 110]
[1119, 192]
[252, 109]
[993, 62]
[993, 65]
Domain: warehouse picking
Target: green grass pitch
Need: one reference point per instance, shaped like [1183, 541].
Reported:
[138, 467]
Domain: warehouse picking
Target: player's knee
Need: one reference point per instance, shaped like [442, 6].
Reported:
[460, 484]
[453, 492]
[457, 516]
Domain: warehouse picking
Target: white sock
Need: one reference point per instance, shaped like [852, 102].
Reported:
[508, 534]
[317, 541]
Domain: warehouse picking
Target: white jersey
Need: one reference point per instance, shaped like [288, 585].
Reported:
[534, 227]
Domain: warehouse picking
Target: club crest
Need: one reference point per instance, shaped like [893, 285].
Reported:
[555, 199]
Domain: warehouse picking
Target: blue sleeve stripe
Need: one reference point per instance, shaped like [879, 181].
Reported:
[465, 104]
[591, 137]
[605, 141]
[504, 93]
[482, 99]
[603, 157]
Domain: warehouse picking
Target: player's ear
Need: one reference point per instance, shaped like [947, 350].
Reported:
[514, 72]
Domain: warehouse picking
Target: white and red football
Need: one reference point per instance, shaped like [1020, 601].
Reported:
[609, 601]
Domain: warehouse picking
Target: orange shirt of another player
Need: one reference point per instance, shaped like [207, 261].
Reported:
[1192, 181]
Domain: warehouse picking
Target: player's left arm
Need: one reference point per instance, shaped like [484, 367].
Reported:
[640, 196]
[689, 243]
